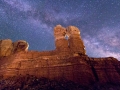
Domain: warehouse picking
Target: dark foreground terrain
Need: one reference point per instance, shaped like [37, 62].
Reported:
[33, 83]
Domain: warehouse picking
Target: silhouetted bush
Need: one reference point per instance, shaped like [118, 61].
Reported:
[33, 83]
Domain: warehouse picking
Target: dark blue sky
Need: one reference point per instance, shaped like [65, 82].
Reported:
[34, 20]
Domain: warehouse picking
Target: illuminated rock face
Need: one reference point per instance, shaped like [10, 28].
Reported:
[20, 45]
[7, 47]
[75, 42]
[68, 60]
[60, 42]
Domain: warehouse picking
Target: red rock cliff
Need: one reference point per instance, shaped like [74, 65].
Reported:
[68, 61]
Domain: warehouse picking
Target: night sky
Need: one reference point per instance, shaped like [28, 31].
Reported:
[34, 20]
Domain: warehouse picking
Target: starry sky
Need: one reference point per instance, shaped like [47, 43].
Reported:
[34, 20]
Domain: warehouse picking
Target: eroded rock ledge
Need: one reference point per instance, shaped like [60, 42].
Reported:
[68, 60]
[7, 47]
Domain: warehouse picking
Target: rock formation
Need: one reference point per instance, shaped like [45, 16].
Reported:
[7, 47]
[67, 61]
[60, 42]
[20, 45]
[75, 42]
[73, 45]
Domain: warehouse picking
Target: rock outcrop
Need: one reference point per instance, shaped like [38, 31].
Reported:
[60, 42]
[75, 42]
[68, 61]
[20, 45]
[7, 47]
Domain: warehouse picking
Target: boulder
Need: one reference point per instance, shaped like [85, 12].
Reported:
[20, 45]
[6, 47]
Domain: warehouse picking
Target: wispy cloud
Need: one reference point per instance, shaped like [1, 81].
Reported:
[95, 49]
[18, 4]
[37, 23]
[109, 36]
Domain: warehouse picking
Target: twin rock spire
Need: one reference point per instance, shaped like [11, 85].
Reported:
[73, 43]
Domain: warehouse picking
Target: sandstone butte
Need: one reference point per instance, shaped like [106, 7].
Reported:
[68, 60]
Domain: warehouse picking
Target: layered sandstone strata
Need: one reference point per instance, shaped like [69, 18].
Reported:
[80, 69]
[68, 60]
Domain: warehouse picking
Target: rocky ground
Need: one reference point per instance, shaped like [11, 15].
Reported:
[33, 83]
